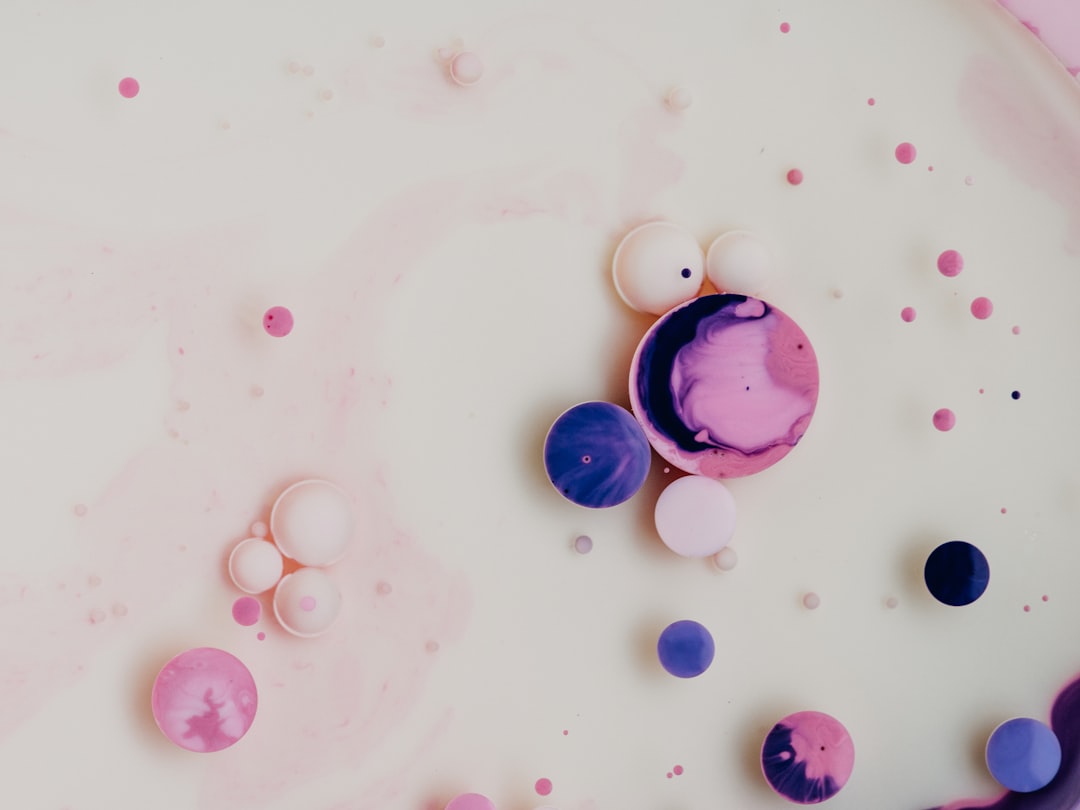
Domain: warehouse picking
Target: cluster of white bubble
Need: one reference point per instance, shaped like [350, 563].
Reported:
[312, 524]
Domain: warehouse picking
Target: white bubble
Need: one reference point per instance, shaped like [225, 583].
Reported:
[658, 266]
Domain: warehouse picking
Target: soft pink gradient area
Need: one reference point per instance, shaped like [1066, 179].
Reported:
[204, 700]
[1056, 23]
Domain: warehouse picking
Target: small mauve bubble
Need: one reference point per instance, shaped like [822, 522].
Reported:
[726, 559]
[80, 510]
[257, 391]
[944, 419]
[119, 609]
[667, 470]
[785, 27]
[795, 177]
[907, 314]
[93, 580]
[871, 102]
[1027, 608]
[1016, 330]
[1004, 510]
[950, 263]
[670, 775]
[929, 168]
[969, 180]
[383, 588]
[565, 732]
[982, 390]
[583, 544]
[246, 611]
[181, 547]
[294, 66]
[432, 646]
[309, 71]
[905, 153]
[259, 529]
[982, 308]
[811, 601]
[183, 405]
[678, 769]
[892, 602]
[128, 87]
[543, 786]
[1015, 395]
[837, 293]
[97, 616]
[261, 636]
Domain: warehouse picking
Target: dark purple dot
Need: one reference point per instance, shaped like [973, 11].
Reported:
[687, 272]
[1016, 395]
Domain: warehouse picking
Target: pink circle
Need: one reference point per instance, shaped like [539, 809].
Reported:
[944, 419]
[470, 801]
[308, 603]
[543, 786]
[982, 308]
[1016, 330]
[204, 700]
[871, 101]
[678, 769]
[1027, 608]
[907, 314]
[795, 177]
[246, 610]
[950, 263]
[260, 636]
[278, 321]
[128, 87]
[785, 27]
[905, 153]
[466, 69]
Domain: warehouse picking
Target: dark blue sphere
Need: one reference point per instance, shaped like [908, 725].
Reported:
[596, 454]
[956, 573]
[686, 649]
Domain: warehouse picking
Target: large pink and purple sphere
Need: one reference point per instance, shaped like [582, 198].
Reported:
[808, 757]
[204, 700]
[724, 385]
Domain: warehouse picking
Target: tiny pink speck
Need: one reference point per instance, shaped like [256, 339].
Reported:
[1027, 608]
[907, 314]
[982, 308]
[944, 419]
[905, 153]
[950, 263]
[1045, 598]
[678, 770]
[246, 610]
[969, 180]
[795, 177]
[128, 87]
[261, 636]
[307, 603]
[80, 510]
[1016, 330]
[1004, 510]
[278, 322]
[543, 786]
[785, 27]
[565, 732]
[871, 101]
[670, 774]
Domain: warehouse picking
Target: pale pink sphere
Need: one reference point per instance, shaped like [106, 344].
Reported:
[944, 419]
[905, 153]
[466, 68]
[950, 263]
[982, 308]
[255, 565]
[204, 700]
[278, 321]
[128, 87]
[312, 523]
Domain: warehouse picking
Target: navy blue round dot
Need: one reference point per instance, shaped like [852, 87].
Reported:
[686, 649]
[956, 573]
[1016, 395]
[687, 272]
[596, 455]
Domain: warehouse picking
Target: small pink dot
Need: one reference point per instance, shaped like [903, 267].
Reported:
[128, 87]
[80, 510]
[543, 786]
[278, 322]
[432, 646]
[795, 177]
[1016, 330]
[383, 588]
[565, 732]
[944, 419]
[905, 153]
[678, 770]
[670, 774]
[307, 603]
[982, 308]
[785, 27]
[871, 101]
[261, 636]
[1004, 510]
[1027, 608]
[929, 168]
[1045, 598]
[907, 314]
[950, 263]
[246, 610]
[982, 390]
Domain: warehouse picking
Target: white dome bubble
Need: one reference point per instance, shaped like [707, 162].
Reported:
[657, 266]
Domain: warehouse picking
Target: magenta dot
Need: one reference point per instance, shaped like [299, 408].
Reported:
[871, 101]
[1016, 330]
[307, 603]
[1027, 608]
[128, 87]
[565, 732]
[905, 153]
[795, 177]
[1045, 598]
[785, 27]
[278, 321]
[678, 770]
[261, 636]
[907, 314]
[670, 775]
[543, 786]
[982, 308]
[246, 610]
[950, 263]
[944, 419]
[1004, 510]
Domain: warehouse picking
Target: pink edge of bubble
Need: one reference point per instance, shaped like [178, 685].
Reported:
[246, 611]
[944, 419]
[543, 786]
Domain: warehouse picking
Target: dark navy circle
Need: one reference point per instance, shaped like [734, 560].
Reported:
[956, 573]
[1023, 754]
[686, 649]
[596, 454]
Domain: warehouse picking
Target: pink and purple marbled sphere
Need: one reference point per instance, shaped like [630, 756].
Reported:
[204, 700]
[724, 385]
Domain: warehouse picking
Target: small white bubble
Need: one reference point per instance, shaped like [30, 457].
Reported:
[811, 601]
[726, 558]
